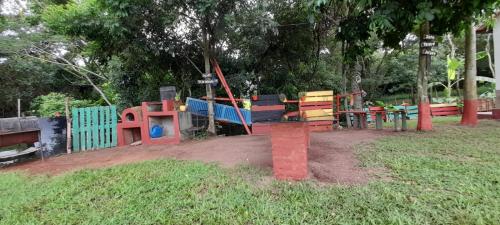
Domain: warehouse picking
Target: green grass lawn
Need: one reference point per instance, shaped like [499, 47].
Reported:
[448, 176]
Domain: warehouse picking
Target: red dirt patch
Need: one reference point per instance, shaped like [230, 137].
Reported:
[331, 155]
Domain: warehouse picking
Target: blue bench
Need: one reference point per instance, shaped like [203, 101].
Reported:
[411, 112]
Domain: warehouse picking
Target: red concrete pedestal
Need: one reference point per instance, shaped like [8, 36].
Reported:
[496, 114]
[290, 142]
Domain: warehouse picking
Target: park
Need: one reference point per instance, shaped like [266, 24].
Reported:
[249, 112]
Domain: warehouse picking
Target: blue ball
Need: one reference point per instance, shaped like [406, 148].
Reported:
[156, 131]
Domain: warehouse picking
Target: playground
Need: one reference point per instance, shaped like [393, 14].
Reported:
[442, 177]
[329, 162]
[249, 112]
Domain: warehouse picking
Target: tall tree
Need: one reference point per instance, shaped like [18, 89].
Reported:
[469, 116]
[424, 63]
[393, 20]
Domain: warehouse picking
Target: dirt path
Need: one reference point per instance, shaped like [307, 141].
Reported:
[331, 156]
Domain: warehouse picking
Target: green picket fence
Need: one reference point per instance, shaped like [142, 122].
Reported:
[93, 128]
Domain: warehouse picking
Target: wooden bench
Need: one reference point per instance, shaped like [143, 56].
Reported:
[317, 108]
[444, 110]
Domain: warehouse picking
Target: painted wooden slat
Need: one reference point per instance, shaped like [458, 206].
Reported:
[83, 143]
[88, 117]
[317, 112]
[317, 93]
[301, 104]
[101, 127]
[114, 136]
[443, 105]
[95, 127]
[317, 99]
[75, 130]
[314, 107]
[257, 108]
[107, 133]
[320, 118]
[444, 109]
[319, 123]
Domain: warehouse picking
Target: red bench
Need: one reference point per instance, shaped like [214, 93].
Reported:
[444, 110]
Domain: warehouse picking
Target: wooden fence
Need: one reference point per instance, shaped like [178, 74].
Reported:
[93, 128]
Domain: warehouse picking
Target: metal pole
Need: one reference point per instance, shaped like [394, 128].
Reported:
[19, 108]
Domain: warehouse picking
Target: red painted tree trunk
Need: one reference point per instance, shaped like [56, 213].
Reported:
[424, 63]
[469, 116]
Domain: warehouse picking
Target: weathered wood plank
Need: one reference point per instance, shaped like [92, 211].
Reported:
[317, 112]
[75, 130]
[81, 113]
[443, 105]
[316, 93]
[317, 99]
[320, 118]
[114, 136]
[88, 122]
[107, 121]
[95, 127]
[101, 127]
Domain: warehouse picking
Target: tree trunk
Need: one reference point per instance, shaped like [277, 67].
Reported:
[469, 116]
[209, 89]
[424, 62]
[453, 50]
[487, 48]
[344, 87]
[358, 99]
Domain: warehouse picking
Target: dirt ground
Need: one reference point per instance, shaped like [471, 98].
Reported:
[331, 155]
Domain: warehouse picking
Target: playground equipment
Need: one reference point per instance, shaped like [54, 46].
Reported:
[222, 112]
[222, 79]
[317, 108]
[151, 123]
[266, 109]
[93, 128]
[359, 118]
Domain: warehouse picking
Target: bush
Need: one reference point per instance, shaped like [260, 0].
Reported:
[49, 105]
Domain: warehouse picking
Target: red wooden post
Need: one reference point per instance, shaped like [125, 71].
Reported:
[218, 71]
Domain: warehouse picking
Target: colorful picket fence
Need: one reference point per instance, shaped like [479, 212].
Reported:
[93, 128]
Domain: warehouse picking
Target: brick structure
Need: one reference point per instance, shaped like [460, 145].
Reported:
[290, 142]
[137, 122]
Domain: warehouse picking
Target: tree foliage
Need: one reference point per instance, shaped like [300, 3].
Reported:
[54, 103]
[134, 47]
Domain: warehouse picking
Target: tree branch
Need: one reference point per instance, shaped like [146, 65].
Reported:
[487, 49]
